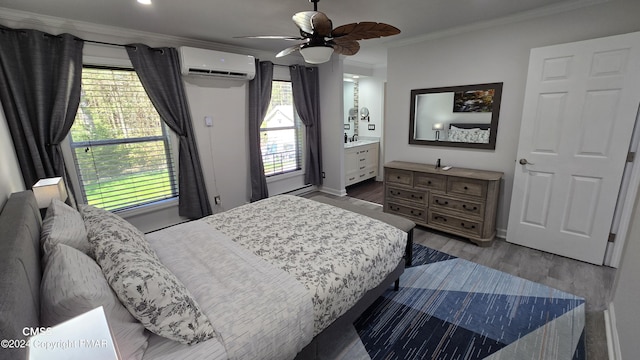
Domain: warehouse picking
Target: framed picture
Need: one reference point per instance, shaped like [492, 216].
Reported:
[473, 100]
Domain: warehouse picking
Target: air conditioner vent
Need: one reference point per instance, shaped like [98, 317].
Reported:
[201, 62]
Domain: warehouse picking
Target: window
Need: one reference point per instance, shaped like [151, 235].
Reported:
[280, 133]
[121, 147]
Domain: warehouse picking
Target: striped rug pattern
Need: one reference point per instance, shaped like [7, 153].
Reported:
[450, 308]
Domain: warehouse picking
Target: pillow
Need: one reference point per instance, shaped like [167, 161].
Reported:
[63, 225]
[72, 284]
[469, 135]
[96, 219]
[149, 290]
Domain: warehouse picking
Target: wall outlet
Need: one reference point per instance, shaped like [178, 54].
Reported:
[217, 200]
[323, 176]
[208, 121]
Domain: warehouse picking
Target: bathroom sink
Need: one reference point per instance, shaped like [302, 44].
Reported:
[359, 142]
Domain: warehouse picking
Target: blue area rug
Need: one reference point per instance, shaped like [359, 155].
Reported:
[450, 308]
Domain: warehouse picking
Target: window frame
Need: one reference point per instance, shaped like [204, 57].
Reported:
[299, 128]
[168, 137]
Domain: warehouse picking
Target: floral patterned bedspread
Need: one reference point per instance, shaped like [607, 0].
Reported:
[338, 255]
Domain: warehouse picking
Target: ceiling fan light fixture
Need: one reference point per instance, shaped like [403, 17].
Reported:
[316, 54]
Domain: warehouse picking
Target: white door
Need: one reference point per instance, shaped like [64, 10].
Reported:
[580, 106]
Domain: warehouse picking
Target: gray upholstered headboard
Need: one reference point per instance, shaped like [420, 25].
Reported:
[20, 271]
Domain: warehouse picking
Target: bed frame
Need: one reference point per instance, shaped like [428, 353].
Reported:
[21, 272]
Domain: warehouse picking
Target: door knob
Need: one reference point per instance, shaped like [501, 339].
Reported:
[524, 162]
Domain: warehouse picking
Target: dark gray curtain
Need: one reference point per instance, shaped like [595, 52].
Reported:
[40, 78]
[159, 72]
[305, 84]
[259, 99]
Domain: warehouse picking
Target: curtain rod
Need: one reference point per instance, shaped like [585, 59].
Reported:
[107, 43]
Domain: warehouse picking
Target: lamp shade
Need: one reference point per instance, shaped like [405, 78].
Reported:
[48, 189]
[316, 54]
[438, 126]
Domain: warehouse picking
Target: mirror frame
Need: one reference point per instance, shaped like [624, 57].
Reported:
[495, 115]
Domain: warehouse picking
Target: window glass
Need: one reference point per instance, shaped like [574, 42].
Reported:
[280, 132]
[121, 147]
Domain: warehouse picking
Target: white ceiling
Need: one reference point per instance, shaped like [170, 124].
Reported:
[221, 20]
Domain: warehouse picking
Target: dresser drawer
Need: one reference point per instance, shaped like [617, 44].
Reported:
[396, 176]
[393, 193]
[457, 224]
[469, 187]
[417, 214]
[466, 207]
[429, 181]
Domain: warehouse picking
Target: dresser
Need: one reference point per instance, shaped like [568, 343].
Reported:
[459, 201]
[360, 161]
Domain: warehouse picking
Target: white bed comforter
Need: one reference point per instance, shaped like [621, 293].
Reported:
[258, 311]
[337, 255]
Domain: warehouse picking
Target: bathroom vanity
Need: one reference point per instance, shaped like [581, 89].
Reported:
[360, 161]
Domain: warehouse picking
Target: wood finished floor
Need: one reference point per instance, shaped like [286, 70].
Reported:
[592, 282]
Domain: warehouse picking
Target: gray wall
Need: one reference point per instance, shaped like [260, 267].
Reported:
[494, 53]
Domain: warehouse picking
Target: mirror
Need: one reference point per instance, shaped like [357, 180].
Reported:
[350, 112]
[458, 116]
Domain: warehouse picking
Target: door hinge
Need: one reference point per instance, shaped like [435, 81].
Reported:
[631, 156]
[612, 237]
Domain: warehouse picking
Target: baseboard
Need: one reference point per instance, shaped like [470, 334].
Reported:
[613, 342]
[335, 192]
[305, 190]
[501, 233]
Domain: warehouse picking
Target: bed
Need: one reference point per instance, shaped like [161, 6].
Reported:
[469, 132]
[259, 284]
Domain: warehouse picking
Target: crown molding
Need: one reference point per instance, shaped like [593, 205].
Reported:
[519, 17]
[89, 31]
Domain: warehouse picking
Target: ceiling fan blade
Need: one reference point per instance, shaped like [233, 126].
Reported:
[275, 37]
[303, 20]
[345, 47]
[364, 30]
[313, 22]
[289, 50]
[321, 24]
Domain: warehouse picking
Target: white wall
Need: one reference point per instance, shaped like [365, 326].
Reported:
[223, 147]
[332, 127]
[371, 96]
[10, 176]
[498, 53]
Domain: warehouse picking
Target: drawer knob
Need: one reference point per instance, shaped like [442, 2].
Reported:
[469, 208]
[429, 182]
[419, 213]
[441, 203]
[398, 177]
[438, 217]
[466, 188]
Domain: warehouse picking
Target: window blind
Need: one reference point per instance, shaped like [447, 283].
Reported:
[281, 133]
[122, 149]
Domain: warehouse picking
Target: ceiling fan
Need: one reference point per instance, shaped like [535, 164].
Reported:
[320, 39]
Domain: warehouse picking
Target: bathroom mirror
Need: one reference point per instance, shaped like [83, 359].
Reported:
[457, 116]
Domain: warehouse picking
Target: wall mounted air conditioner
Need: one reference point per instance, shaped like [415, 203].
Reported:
[204, 62]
